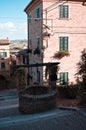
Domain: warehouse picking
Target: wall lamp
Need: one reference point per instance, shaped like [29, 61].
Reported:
[84, 3]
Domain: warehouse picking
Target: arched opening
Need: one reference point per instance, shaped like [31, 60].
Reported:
[3, 82]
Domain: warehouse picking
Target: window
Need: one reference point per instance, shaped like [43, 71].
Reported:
[38, 13]
[64, 78]
[64, 11]
[2, 65]
[63, 43]
[38, 76]
[3, 54]
[38, 42]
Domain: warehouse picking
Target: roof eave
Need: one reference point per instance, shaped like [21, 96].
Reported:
[25, 10]
[75, 0]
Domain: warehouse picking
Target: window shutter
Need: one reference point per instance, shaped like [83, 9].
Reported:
[63, 78]
[63, 43]
[5, 54]
[38, 13]
[64, 11]
[66, 43]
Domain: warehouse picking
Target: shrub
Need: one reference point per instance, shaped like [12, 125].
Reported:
[81, 79]
[70, 92]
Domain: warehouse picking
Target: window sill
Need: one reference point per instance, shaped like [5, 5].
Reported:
[63, 18]
[37, 19]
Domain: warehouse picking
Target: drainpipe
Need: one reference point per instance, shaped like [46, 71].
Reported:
[46, 24]
[28, 47]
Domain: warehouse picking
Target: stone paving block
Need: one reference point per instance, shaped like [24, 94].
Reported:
[51, 120]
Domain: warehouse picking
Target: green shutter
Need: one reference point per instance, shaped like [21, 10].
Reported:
[63, 78]
[38, 13]
[63, 43]
[64, 11]
[5, 54]
[66, 43]
[61, 11]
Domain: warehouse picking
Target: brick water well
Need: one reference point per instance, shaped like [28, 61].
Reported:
[37, 99]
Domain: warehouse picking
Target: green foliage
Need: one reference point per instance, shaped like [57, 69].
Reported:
[61, 54]
[81, 78]
[21, 77]
[81, 75]
[67, 91]
[17, 48]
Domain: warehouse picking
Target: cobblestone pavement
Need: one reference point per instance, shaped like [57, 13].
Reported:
[50, 120]
[61, 118]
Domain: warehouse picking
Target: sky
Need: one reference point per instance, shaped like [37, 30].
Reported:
[13, 19]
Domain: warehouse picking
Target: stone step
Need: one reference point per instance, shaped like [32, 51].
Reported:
[9, 102]
[9, 110]
[20, 121]
[49, 120]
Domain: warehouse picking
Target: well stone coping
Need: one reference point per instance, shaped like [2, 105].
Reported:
[52, 93]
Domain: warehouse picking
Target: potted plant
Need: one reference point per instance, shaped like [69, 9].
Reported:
[61, 54]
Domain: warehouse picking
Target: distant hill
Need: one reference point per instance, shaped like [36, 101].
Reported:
[18, 43]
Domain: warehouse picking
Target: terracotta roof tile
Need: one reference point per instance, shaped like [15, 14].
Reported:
[4, 41]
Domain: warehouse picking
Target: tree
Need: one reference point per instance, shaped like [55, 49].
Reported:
[81, 78]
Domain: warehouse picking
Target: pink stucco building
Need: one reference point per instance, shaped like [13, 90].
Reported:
[4, 62]
[54, 26]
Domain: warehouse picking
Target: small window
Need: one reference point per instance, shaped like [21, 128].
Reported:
[64, 11]
[38, 13]
[5, 54]
[64, 78]
[38, 76]
[2, 65]
[38, 42]
[63, 43]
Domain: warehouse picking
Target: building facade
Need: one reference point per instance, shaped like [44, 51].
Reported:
[4, 62]
[57, 26]
[35, 41]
